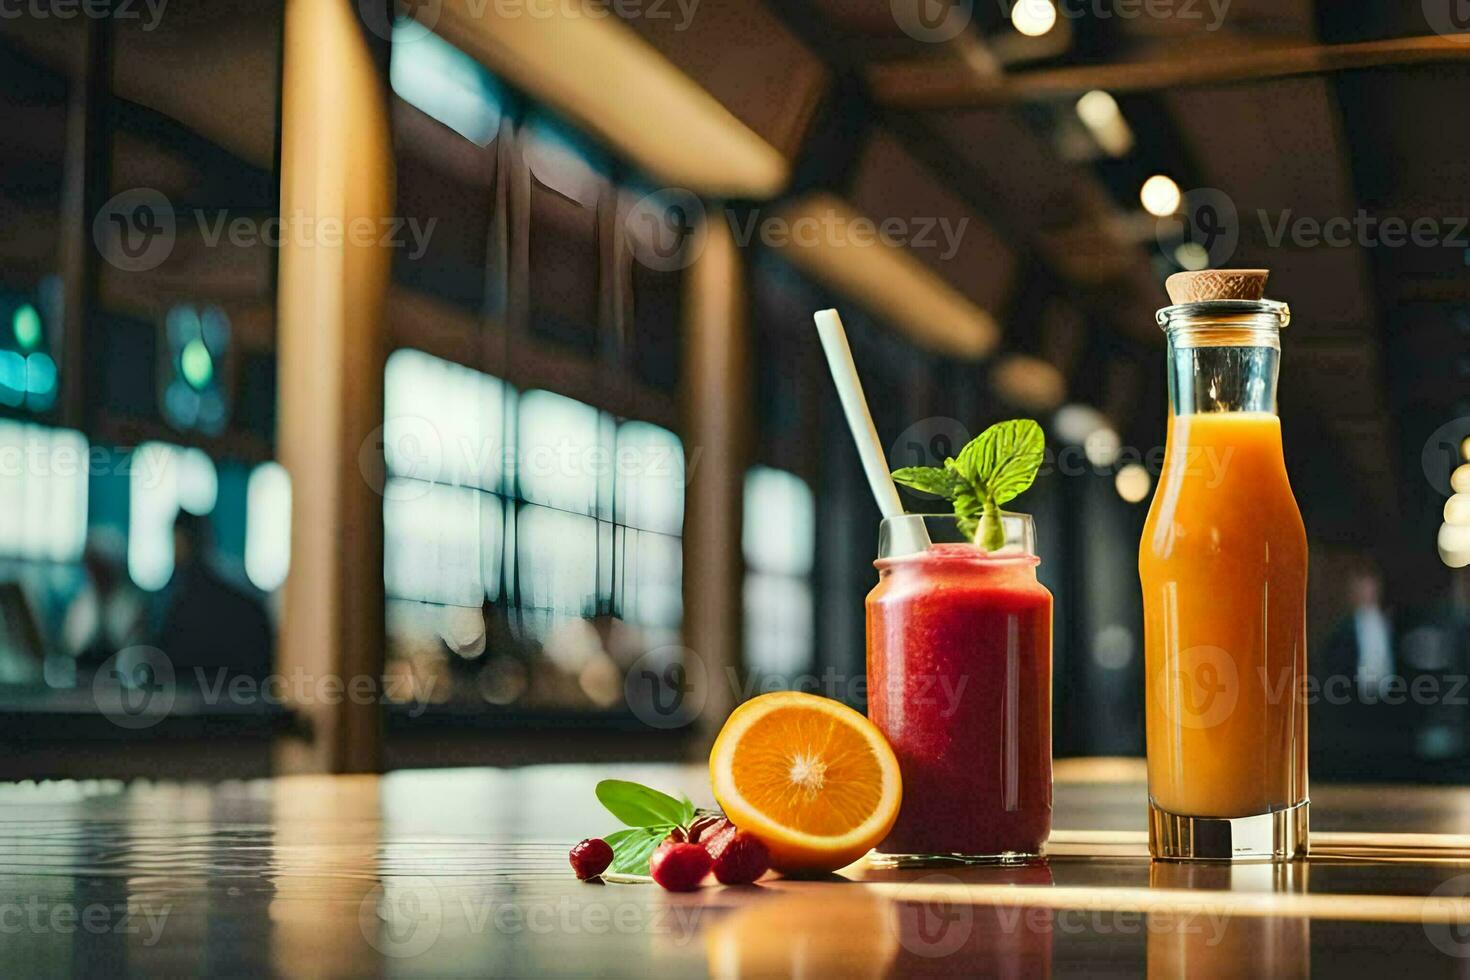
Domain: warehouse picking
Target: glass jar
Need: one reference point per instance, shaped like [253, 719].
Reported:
[959, 681]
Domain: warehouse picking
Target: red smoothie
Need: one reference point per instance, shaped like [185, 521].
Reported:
[959, 680]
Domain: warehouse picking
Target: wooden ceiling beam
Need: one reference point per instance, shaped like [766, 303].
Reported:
[939, 84]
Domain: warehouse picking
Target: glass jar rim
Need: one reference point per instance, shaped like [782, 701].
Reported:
[1181, 313]
[936, 537]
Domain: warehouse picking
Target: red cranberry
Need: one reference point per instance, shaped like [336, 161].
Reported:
[590, 858]
[679, 866]
[704, 825]
[739, 857]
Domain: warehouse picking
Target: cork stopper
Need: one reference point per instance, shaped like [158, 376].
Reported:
[1207, 284]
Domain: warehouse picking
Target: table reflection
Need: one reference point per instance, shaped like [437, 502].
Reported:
[1209, 942]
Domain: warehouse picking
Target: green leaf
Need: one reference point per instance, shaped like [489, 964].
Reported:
[992, 531]
[1005, 458]
[641, 806]
[633, 847]
[929, 479]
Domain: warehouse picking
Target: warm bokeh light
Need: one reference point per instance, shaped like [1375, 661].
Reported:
[1133, 482]
[1033, 18]
[1454, 545]
[1099, 112]
[1457, 509]
[1075, 422]
[1029, 382]
[1102, 446]
[1460, 479]
[1160, 196]
[1192, 256]
[1465, 448]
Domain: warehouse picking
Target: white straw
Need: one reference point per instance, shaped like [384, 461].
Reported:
[864, 434]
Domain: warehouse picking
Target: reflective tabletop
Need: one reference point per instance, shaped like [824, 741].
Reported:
[464, 873]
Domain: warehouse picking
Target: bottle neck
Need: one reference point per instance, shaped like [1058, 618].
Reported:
[1223, 362]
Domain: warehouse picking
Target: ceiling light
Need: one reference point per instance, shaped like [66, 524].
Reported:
[889, 280]
[1033, 18]
[1160, 196]
[601, 76]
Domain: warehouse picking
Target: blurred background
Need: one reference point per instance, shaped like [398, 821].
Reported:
[436, 384]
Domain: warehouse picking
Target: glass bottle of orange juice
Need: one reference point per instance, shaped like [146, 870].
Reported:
[1223, 562]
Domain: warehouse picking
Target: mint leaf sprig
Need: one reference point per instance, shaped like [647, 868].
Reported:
[994, 468]
[650, 816]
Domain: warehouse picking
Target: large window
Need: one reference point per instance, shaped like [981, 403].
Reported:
[531, 541]
[778, 539]
[43, 492]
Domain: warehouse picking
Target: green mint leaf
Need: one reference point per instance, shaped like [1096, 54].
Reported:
[632, 847]
[967, 510]
[992, 532]
[928, 479]
[1004, 459]
[641, 806]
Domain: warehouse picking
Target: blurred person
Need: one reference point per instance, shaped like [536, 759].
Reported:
[108, 612]
[1361, 647]
[211, 628]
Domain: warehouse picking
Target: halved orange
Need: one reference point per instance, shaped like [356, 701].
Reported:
[812, 778]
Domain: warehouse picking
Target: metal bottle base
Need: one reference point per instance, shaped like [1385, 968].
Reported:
[1277, 836]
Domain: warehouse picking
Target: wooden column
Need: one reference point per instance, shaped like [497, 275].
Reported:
[85, 179]
[718, 410]
[336, 169]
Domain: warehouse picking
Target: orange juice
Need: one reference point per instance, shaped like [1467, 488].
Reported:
[1223, 562]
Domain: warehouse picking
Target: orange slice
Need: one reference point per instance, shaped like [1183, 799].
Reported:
[812, 778]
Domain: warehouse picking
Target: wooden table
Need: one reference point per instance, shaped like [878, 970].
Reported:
[464, 873]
